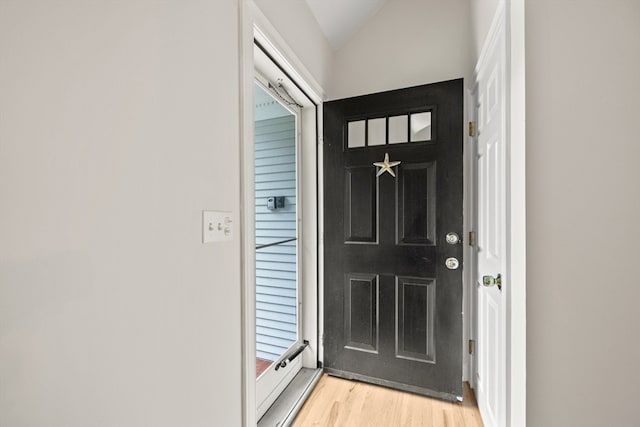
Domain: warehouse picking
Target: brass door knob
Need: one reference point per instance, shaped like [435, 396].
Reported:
[489, 281]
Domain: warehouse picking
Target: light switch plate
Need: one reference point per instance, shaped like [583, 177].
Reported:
[217, 226]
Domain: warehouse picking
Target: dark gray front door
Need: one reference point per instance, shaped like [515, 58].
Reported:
[393, 309]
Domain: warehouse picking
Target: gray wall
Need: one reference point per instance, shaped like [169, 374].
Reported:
[276, 268]
[583, 208]
[482, 13]
[115, 133]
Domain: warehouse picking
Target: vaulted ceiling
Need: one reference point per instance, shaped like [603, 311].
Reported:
[341, 19]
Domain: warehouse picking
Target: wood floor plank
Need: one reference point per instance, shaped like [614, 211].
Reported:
[336, 402]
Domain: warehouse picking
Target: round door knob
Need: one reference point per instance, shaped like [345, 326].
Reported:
[452, 263]
[452, 238]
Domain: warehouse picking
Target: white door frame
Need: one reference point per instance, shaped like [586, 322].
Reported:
[516, 215]
[512, 11]
[255, 26]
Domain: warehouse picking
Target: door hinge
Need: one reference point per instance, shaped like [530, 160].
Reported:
[472, 238]
[472, 128]
[472, 346]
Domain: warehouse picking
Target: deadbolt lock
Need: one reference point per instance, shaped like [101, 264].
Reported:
[489, 281]
[452, 238]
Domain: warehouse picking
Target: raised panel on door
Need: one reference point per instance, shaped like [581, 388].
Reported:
[361, 312]
[360, 205]
[417, 204]
[415, 318]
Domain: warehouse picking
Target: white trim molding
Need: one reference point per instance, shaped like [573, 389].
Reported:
[269, 38]
[247, 233]
[516, 216]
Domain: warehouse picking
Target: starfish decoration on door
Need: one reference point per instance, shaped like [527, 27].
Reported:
[386, 166]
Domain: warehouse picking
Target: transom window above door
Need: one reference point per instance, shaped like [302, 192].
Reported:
[398, 129]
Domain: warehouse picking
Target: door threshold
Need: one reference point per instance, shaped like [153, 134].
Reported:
[284, 410]
[395, 385]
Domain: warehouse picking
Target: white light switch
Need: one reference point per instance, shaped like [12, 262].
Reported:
[217, 226]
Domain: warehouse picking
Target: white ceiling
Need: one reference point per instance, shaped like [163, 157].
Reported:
[341, 19]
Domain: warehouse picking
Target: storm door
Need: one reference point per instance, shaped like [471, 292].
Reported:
[277, 219]
[393, 189]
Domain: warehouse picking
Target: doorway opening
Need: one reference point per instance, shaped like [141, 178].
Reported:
[277, 290]
[314, 352]
[280, 238]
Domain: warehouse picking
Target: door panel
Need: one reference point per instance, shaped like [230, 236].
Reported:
[361, 312]
[392, 308]
[491, 249]
[415, 318]
[417, 204]
[361, 189]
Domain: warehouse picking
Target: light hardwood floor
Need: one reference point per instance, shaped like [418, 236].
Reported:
[337, 402]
